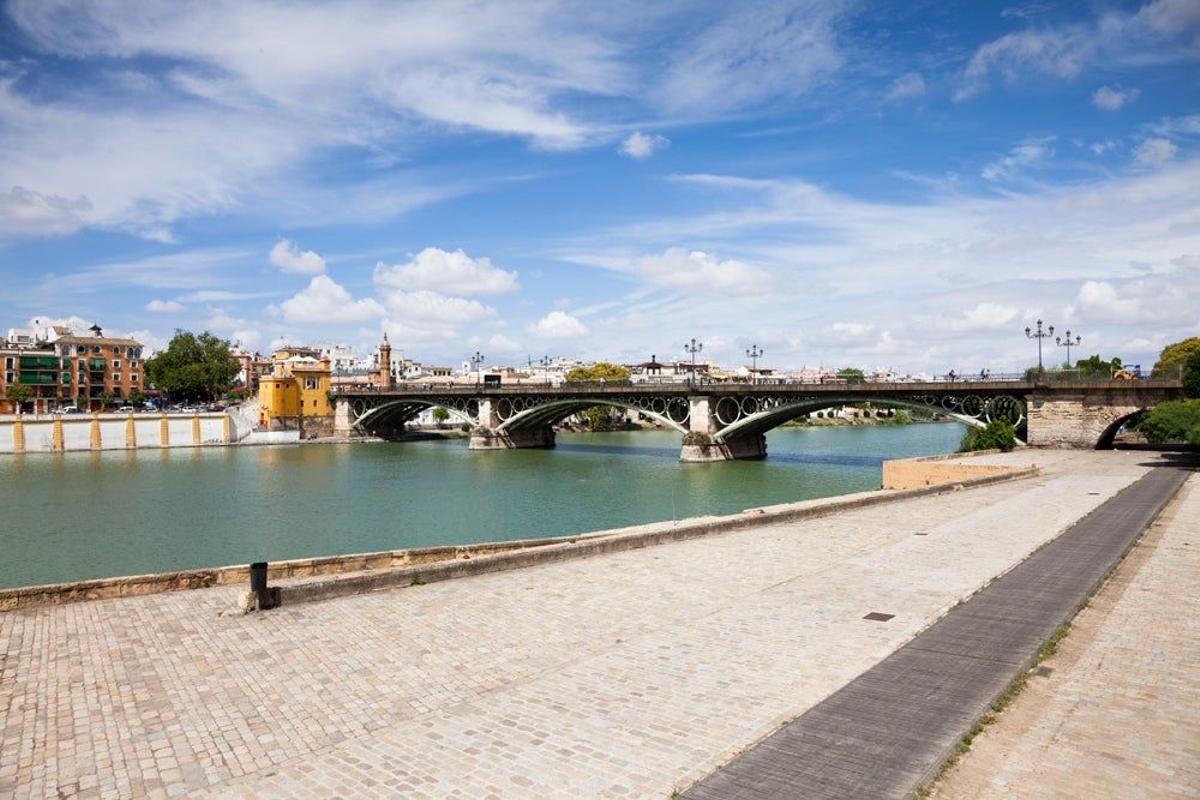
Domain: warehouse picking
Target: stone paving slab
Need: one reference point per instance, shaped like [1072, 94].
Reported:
[624, 675]
[1116, 712]
[888, 730]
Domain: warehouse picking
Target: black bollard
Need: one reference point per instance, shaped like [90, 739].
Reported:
[264, 597]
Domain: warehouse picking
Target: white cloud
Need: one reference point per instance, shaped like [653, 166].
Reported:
[164, 306]
[754, 53]
[698, 271]
[1154, 152]
[427, 306]
[1098, 301]
[985, 317]
[324, 301]
[1103, 146]
[640, 145]
[290, 258]
[434, 268]
[1112, 98]
[500, 343]
[1160, 31]
[27, 213]
[558, 325]
[1029, 153]
[906, 87]
[854, 330]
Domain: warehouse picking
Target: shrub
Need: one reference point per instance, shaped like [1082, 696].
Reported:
[1176, 421]
[996, 435]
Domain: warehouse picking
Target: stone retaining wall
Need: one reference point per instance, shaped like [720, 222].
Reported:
[58, 433]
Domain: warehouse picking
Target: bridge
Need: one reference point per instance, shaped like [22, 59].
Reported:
[723, 421]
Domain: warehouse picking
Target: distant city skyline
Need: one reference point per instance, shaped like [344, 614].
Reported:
[839, 183]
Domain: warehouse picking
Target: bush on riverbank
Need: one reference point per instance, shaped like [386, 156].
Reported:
[996, 435]
[1176, 421]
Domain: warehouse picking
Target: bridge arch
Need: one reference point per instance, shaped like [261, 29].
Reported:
[515, 417]
[758, 419]
[1105, 442]
[388, 417]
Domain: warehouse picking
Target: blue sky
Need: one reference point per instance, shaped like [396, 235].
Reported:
[877, 184]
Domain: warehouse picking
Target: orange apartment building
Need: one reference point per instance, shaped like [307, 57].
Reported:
[70, 367]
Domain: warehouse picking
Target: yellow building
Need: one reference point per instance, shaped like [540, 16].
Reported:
[296, 393]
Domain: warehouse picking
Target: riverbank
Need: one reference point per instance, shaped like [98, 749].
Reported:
[629, 674]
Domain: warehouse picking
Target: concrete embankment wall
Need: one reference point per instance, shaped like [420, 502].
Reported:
[312, 579]
[57, 433]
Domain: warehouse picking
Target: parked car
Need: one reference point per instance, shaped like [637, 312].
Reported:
[126, 410]
[69, 410]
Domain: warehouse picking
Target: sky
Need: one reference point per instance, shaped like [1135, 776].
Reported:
[904, 185]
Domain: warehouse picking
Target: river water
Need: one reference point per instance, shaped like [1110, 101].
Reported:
[83, 515]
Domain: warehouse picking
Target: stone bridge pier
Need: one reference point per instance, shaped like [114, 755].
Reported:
[488, 434]
[701, 443]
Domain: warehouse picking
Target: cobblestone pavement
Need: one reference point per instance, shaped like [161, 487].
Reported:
[624, 675]
[1119, 714]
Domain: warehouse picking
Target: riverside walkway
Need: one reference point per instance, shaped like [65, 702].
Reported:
[625, 675]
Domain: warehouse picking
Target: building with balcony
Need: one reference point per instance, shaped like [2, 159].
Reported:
[61, 368]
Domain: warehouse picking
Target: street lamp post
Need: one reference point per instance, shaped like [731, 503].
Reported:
[545, 362]
[1067, 343]
[755, 352]
[476, 363]
[693, 347]
[1039, 335]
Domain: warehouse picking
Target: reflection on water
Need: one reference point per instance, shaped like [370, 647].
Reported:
[81, 515]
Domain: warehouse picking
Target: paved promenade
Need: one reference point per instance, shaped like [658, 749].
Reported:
[625, 675]
[1116, 712]
[887, 731]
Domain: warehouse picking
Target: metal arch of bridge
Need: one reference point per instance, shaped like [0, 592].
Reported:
[536, 411]
[370, 414]
[750, 415]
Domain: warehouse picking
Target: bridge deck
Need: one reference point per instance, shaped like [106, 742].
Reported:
[865, 390]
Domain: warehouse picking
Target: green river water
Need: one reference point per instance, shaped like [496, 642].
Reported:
[84, 515]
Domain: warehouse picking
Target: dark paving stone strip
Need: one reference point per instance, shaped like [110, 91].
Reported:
[887, 731]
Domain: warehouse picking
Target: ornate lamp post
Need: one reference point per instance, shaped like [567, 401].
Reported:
[693, 347]
[1067, 343]
[755, 352]
[1039, 335]
[476, 363]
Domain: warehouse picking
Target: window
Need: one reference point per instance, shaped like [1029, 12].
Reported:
[310, 383]
[64, 349]
[116, 363]
[133, 378]
[95, 349]
[133, 364]
[8, 363]
[80, 350]
[10, 378]
[129, 352]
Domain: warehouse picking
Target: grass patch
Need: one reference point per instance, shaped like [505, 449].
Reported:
[1002, 701]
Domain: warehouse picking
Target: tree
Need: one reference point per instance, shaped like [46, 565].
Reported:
[851, 375]
[996, 435]
[136, 398]
[1174, 356]
[18, 394]
[1175, 421]
[193, 367]
[440, 415]
[1096, 367]
[1191, 374]
[600, 371]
